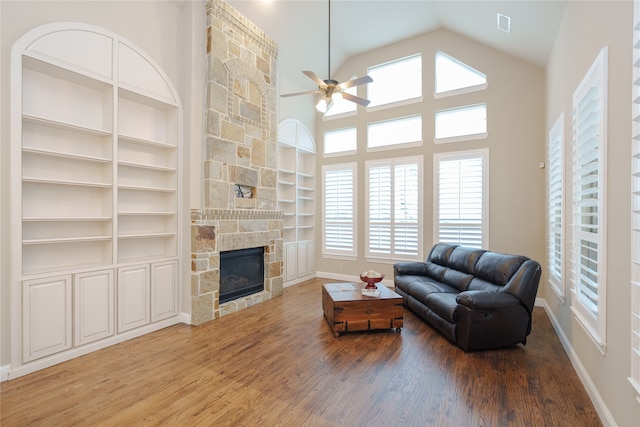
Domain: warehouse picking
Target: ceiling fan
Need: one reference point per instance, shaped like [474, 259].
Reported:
[330, 88]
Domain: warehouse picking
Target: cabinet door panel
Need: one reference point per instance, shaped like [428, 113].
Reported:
[302, 258]
[93, 306]
[133, 297]
[46, 316]
[164, 290]
[291, 261]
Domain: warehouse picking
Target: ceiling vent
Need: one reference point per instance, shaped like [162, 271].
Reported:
[504, 23]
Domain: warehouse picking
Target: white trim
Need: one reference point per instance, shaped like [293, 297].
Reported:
[4, 372]
[461, 91]
[392, 163]
[598, 402]
[484, 154]
[595, 325]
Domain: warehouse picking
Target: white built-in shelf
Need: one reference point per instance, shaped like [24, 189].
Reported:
[52, 153]
[67, 219]
[147, 166]
[35, 119]
[66, 182]
[145, 235]
[144, 188]
[65, 240]
[150, 142]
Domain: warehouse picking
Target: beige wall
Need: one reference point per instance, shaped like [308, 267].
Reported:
[515, 115]
[587, 28]
[161, 28]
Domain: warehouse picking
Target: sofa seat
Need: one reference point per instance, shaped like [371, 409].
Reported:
[476, 298]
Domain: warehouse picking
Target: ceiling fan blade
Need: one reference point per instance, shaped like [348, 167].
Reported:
[300, 93]
[313, 76]
[356, 82]
[355, 99]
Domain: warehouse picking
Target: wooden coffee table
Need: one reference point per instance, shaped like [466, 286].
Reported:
[346, 309]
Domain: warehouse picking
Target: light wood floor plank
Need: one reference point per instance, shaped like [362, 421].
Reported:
[278, 364]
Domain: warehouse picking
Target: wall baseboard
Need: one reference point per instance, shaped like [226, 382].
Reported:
[600, 407]
[4, 372]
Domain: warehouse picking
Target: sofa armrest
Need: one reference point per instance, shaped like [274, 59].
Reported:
[482, 300]
[410, 268]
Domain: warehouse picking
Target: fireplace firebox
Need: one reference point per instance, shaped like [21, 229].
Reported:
[241, 273]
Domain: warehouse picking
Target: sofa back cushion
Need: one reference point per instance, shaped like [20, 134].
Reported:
[465, 259]
[498, 268]
[440, 253]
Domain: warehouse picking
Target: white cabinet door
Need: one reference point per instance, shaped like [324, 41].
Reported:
[46, 316]
[290, 261]
[302, 259]
[93, 306]
[311, 257]
[164, 290]
[133, 297]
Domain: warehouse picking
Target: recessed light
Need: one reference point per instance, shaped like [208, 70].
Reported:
[504, 23]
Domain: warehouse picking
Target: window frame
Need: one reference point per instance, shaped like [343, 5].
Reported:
[392, 256]
[339, 153]
[483, 154]
[457, 91]
[594, 323]
[464, 137]
[406, 144]
[634, 377]
[399, 102]
[332, 252]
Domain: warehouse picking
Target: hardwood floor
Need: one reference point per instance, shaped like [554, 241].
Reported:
[278, 364]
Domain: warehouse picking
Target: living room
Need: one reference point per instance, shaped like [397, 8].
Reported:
[172, 34]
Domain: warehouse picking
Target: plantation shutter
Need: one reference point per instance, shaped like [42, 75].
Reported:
[461, 200]
[393, 221]
[555, 205]
[380, 210]
[588, 207]
[406, 209]
[339, 210]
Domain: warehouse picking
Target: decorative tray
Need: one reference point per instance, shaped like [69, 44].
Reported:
[370, 292]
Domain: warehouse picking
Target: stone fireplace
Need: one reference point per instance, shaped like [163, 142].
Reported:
[239, 162]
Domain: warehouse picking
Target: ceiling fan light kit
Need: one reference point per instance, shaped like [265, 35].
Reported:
[331, 90]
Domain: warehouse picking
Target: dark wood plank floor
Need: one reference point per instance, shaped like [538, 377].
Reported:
[277, 364]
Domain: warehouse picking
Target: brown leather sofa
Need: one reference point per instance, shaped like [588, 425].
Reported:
[476, 298]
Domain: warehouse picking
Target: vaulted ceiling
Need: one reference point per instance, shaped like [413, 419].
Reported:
[300, 27]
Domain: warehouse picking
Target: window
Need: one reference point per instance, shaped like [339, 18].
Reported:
[462, 123]
[635, 213]
[407, 130]
[339, 212]
[340, 141]
[461, 185]
[395, 81]
[588, 207]
[394, 203]
[454, 75]
[555, 204]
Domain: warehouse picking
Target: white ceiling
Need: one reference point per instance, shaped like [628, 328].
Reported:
[300, 27]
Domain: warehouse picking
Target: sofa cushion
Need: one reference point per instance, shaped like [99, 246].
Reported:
[498, 268]
[457, 279]
[440, 253]
[420, 287]
[443, 304]
[465, 259]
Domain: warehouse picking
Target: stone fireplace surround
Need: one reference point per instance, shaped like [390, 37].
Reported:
[240, 148]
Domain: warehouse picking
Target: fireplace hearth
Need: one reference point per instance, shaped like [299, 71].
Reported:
[241, 273]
